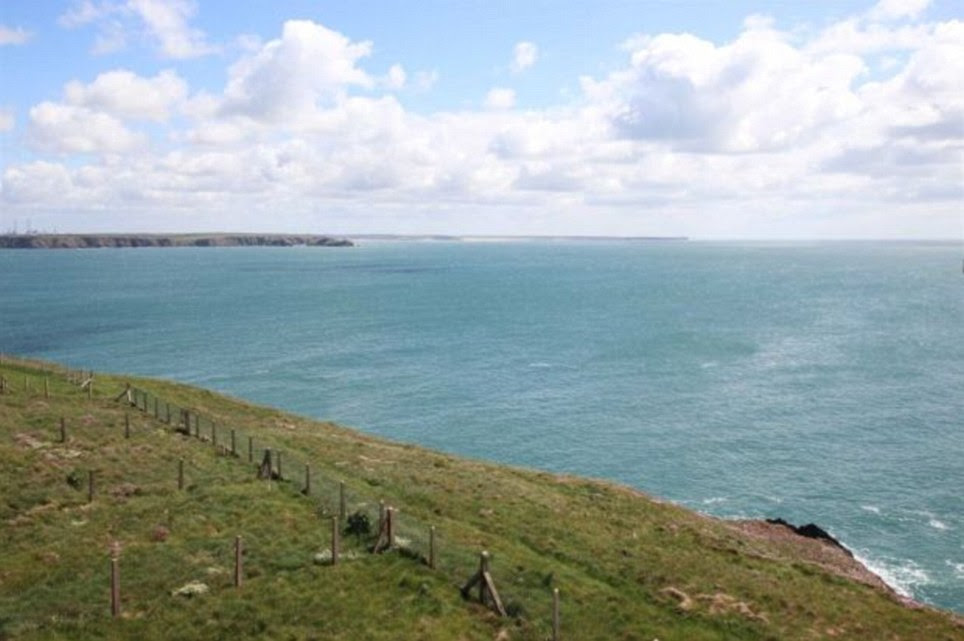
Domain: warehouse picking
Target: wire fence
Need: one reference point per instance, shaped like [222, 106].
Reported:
[365, 524]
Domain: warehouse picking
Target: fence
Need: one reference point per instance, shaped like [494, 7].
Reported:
[364, 523]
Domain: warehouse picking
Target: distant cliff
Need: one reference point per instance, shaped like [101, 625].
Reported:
[84, 241]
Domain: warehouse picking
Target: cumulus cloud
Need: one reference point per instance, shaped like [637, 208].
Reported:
[7, 120]
[772, 120]
[165, 23]
[11, 36]
[500, 98]
[125, 94]
[60, 128]
[524, 55]
[288, 78]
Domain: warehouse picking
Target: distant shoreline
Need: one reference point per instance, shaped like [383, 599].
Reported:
[93, 241]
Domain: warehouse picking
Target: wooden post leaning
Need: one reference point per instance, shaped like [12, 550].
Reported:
[487, 591]
[334, 540]
[115, 607]
[386, 532]
[238, 560]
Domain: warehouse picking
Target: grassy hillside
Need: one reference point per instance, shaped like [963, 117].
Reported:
[627, 566]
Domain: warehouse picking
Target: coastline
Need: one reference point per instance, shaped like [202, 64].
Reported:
[97, 241]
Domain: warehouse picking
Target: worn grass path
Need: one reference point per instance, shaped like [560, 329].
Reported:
[627, 566]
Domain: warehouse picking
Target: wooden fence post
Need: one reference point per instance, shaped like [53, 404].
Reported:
[334, 540]
[46, 387]
[63, 430]
[238, 569]
[90, 486]
[342, 505]
[307, 489]
[114, 586]
[180, 474]
[555, 614]
[390, 515]
[265, 469]
[250, 449]
[234, 450]
[431, 547]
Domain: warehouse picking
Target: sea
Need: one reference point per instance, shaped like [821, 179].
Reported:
[812, 381]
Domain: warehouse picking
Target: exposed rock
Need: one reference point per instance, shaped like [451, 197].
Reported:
[811, 531]
[192, 589]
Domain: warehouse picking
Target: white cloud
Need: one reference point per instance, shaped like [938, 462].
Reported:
[425, 80]
[687, 136]
[289, 77]
[7, 120]
[11, 36]
[165, 23]
[895, 9]
[500, 98]
[396, 77]
[60, 128]
[524, 55]
[125, 94]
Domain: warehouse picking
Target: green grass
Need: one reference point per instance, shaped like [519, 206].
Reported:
[617, 556]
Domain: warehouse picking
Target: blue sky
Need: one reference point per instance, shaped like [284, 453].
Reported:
[709, 119]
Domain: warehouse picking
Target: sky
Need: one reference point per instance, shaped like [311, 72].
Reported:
[728, 119]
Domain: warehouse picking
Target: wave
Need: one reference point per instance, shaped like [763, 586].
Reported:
[903, 576]
[870, 508]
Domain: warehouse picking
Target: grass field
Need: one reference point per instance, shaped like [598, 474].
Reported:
[627, 566]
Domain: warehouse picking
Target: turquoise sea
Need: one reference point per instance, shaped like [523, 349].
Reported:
[817, 382]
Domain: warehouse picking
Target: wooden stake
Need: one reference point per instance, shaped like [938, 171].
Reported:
[90, 486]
[63, 430]
[115, 607]
[46, 387]
[342, 505]
[238, 569]
[307, 489]
[250, 449]
[431, 547]
[555, 614]
[127, 425]
[334, 540]
[390, 514]
[264, 471]
[180, 474]
[234, 449]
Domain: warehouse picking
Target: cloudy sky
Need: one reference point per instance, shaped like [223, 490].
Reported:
[728, 119]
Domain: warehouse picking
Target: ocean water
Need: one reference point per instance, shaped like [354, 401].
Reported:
[818, 382]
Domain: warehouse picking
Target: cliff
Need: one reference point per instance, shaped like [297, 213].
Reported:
[87, 241]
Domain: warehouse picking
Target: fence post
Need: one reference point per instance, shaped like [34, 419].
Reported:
[280, 476]
[342, 505]
[46, 387]
[90, 486]
[238, 569]
[127, 425]
[234, 450]
[555, 614]
[390, 514]
[250, 449]
[334, 540]
[180, 474]
[307, 489]
[114, 586]
[63, 430]
[431, 547]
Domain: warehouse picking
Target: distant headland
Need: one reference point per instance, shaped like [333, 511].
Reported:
[89, 241]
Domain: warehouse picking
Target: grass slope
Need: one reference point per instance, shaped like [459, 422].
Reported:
[627, 566]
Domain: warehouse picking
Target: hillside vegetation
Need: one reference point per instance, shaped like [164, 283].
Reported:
[626, 566]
